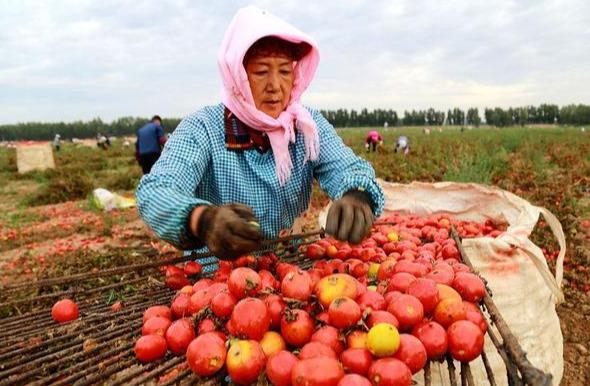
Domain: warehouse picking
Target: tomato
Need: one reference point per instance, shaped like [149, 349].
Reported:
[446, 292]
[315, 252]
[64, 310]
[329, 336]
[382, 317]
[473, 314]
[202, 284]
[386, 269]
[412, 352]
[470, 286]
[223, 304]
[344, 312]
[206, 354]
[244, 282]
[250, 318]
[465, 340]
[442, 276]
[372, 300]
[172, 270]
[296, 327]
[217, 288]
[418, 270]
[320, 371]
[316, 349]
[268, 281]
[116, 307]
[323, 317]
[153, 311]
[356, 360]
[199, 300]
[390, 372]
[179, 335]
[335, 285]
[156, 326]
[449, 311]
[245, 360]
[434, 338]
[180, 306]
[450, 252]
[400, 282]
[275, 306]
[284, 268]
[356, 339]
[271, 343]
[426, 291]
[177, 281]
[279, 366]
[354, 380]
[391, 296]
[192, 268]
[246, 261]
[149, 348]
[206, 325]
[297, 285]
[408, 310]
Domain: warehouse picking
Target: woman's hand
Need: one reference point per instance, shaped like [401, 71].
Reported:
[229, 231]
[351, 217]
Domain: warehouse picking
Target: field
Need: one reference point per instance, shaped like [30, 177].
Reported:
[49, 226]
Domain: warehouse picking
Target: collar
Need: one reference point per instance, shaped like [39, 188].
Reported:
[240, 137]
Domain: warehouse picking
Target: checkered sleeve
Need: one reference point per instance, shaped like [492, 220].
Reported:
[338, 170]
[165, 196]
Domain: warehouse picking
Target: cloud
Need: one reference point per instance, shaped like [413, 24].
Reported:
[66, 60]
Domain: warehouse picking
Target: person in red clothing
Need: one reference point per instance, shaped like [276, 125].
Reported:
[373, 139]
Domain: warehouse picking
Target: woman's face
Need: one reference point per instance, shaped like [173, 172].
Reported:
[271, 80]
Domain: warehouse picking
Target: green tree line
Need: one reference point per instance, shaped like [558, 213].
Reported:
[543, 114]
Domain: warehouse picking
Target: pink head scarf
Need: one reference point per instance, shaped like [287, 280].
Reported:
[249, 25]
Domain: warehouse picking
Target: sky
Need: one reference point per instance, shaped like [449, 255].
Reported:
[79, 59]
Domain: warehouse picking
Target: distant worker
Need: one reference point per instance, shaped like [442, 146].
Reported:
[150, 140]
[373, 138]
[385, 125]
[57, 142]
[402, 144]
[102, 141]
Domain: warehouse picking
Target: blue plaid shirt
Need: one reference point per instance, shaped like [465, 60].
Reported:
[195, 168]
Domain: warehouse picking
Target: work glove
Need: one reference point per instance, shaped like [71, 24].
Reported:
[351, 217]
[229, 231]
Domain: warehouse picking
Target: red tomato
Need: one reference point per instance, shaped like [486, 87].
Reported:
[283, 268]
[321, 371]
[442, 276]
[206, 325]
[149, 348]
[382, 317]
[199, 300]
[223, 304]
[316, 349]
[450, 252]
[426, 291]
[470, 286]
[391, 296]
[206, 354]
[244, 282]
[202, 284]
[465, 341]
[315, 252]
[268, 281]
[412, 352]
[356, 339]
[354, 380]
[179, 335]
[297, 285]
[386, 269]
[192, 268]
[180, 306]
[245, 360]
[390, 372]
[275, 306]
[418, 270]
[297, 327]
[408, 310]
[373, 300]
[449, 311]
[157, 325]
[344, 312]
[172, 270]
[250, 318]
[400, 282]
[279, 366]
[177, 281]
[329, 336]
[356, 360]
[153, 311]
[64, 310]
[434, 338]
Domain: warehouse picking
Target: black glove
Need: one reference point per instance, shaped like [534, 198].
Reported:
[229, 231]
[351, 217]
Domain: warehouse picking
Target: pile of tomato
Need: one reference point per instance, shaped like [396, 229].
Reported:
[368, 314]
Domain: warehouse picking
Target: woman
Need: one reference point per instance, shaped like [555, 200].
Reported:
[242, 170]
[373, 139]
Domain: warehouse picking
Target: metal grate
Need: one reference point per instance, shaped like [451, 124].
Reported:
[98, 347]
